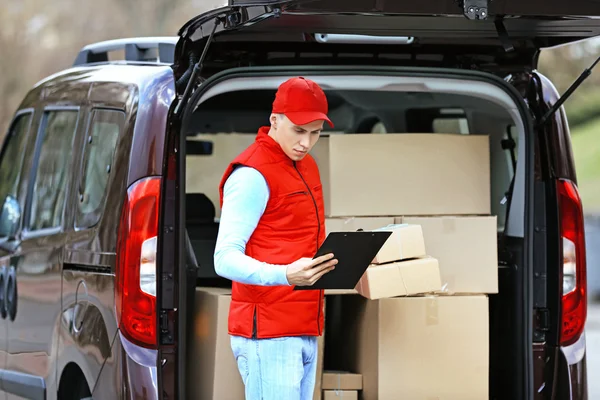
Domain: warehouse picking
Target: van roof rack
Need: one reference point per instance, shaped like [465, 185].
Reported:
[139, 49]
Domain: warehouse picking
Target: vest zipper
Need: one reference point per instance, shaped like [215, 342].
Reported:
[318, 234]
[254, 324]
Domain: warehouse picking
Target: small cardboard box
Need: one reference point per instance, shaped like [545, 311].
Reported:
[417, 348]
[219, 377]
[403, 278]
[404, 174]
[340, 394]
[353, 224]
[405, 242]
[341, 380]
[466, 248]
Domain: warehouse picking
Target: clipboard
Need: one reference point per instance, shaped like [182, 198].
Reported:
[354, 252]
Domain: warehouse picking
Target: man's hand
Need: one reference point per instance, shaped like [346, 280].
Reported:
[306, 271]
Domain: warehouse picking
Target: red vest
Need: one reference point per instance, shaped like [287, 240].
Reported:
[292, 227]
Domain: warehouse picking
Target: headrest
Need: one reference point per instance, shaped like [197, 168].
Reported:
[199, 208]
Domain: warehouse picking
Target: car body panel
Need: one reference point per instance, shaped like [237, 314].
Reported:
[72, 309]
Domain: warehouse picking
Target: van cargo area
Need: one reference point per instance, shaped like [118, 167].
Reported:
[445, 150]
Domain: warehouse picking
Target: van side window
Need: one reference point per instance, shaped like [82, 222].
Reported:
[11, 161]
[52, 171]
[101, 142]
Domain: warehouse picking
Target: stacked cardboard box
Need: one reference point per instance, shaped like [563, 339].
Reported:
[213, 369]
[419, 330]
[205, 171]
[418, 348]
[341, 385]
[404, 174]
[401, 267]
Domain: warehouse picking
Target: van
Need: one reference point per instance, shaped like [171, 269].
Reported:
[104, 234]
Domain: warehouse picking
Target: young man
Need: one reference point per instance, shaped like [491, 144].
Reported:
[272, 223]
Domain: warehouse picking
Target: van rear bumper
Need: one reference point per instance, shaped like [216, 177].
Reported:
[571, 381]
[131, 374]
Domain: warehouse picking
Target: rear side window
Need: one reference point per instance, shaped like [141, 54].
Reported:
[11, 161]
[12, 156]
[101, 142]
[49, 187]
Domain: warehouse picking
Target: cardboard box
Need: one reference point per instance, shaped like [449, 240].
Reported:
[404, 174]
[204, 172]
[405, 242]
[418, 348]
[403, 278]
[353, 224]
[341, 380]
[340, 394]
[466, 248]
[219, 377]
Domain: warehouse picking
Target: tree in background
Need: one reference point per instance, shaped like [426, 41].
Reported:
[39, 38]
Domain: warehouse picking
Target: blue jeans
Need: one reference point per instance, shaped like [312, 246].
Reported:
[277, 369]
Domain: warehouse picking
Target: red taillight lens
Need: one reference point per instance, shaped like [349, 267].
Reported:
[136, 263]
[574, 285]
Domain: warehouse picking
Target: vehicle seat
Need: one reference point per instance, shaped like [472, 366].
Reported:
[202, 231]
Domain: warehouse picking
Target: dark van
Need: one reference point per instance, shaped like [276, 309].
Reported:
[102, 246]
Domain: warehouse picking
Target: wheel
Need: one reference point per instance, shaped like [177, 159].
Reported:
[73, 385]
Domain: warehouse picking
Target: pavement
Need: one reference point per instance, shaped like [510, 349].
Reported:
[592, 336]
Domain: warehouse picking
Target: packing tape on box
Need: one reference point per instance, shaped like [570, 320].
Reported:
[348, 220]
[431, 311]
[339, 393]
[403, 283]
[448, 285]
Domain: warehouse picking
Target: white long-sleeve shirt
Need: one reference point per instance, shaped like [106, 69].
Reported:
[245, 197]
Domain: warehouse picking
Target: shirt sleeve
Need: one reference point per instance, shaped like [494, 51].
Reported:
[245, 197]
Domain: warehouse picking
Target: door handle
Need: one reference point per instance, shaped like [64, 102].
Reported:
[11, 293]
[3, 292]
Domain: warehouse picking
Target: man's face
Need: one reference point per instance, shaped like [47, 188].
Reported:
[295, 140]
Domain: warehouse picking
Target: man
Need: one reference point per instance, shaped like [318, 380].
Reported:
[272, 223]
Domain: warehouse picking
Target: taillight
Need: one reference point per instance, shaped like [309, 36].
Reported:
[574, 284]
[136, 263]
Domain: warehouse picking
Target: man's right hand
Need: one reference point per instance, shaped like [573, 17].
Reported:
[306, 271]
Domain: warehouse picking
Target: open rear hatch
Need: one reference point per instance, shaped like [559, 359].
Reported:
[508, 31]
[469, 34]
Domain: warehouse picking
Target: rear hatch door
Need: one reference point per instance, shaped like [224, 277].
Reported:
[543, 22]
[510, 28]
[499, 32]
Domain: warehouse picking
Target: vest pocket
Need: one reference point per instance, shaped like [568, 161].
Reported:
[298, 193]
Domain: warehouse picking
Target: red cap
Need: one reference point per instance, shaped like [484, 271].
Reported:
[302, 101]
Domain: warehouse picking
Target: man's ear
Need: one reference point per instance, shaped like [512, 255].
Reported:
[273, 119]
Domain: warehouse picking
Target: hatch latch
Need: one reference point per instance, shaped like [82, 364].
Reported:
[475, 9]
